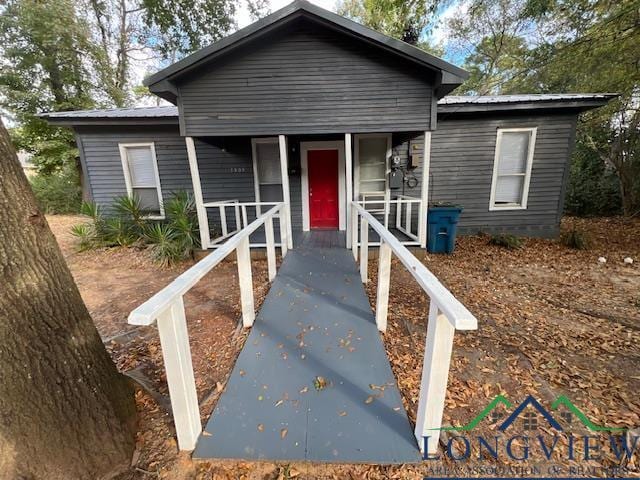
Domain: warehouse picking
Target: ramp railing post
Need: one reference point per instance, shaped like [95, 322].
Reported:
[364, 249]
[271, 248]
[283, 233]
[243, 256]
[174, 339]
[384, 281]
[435, 373]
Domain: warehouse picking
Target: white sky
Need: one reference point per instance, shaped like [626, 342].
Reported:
[242, 15]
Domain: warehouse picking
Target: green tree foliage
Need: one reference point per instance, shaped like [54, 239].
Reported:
[405, 20]
[540, 46]
[43, 68]
[60, 55]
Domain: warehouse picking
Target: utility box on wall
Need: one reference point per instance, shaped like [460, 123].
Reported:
[415, 154]
[396, 177]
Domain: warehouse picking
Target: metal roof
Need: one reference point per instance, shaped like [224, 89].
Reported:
[543, 97]
[135, 112]
[449, 104]
[297, 9]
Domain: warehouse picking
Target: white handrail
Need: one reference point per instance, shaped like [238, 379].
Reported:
[167, 308]
[446, 315]
[147, 313]
[459, 316]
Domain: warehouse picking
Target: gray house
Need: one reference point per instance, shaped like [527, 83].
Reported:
[314, 110]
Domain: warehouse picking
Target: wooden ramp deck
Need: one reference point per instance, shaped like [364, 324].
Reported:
[315, 324]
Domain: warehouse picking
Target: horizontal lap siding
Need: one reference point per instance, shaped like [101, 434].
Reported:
[462, 157]
[306, 80]
[101, 153]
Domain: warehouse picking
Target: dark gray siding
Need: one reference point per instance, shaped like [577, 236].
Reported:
[462, 156]
[101, 157]
[305, 80]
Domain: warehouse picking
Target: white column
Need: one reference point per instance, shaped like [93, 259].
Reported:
[424, 205]
[203, 221]
[435, 373]
[349, 183]
[174, 338]
[284, 171]
[384, 281]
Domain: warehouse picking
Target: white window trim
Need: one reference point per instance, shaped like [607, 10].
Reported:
[356, 166]
[127, 175]
[254, 155]
[304, 180]
[527, 174]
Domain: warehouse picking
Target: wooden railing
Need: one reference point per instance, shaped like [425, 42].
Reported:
[404, 206]
[241, 212]
[446, 315]
[167, 309]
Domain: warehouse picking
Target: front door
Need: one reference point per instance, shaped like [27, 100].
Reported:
[322, 168]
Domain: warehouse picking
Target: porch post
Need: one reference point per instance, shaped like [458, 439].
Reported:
[349, 184]
[424, 204]
[203, 221]
[286, 197]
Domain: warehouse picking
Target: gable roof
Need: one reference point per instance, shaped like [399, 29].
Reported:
[448, 105]
[451, 75]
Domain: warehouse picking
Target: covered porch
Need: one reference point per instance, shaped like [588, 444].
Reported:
[316, 177]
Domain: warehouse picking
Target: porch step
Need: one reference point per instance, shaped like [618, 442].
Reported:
[313, 382]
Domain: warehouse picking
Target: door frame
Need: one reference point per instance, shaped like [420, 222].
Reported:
[304, 179]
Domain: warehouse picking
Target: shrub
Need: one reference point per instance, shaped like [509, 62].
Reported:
[507, 241]
[170, 240]
[85, 234]
[576, 239]
[58, 192]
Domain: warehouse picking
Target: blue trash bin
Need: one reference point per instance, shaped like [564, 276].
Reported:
[442, 223]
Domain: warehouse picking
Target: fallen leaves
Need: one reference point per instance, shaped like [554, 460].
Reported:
[320, 383]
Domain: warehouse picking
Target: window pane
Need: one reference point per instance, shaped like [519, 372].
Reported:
[371, 187]
[141, 167]
[268, 162]
[271, 193]
[509, 190]
[148, 198]
[513, 152]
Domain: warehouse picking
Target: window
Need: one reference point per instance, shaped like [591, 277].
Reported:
[371, 152]
[266, 170]
[141, 175]
[512, 168]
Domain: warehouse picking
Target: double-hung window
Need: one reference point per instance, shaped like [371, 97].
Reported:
[512, 168]
[141, 176]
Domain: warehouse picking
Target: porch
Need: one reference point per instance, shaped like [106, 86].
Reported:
[313, 381]
[316, 177]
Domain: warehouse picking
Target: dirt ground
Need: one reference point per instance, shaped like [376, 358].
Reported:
[552, 321]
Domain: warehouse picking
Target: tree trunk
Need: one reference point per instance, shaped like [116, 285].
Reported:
[65, 411]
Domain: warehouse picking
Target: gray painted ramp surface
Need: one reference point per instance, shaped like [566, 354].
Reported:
[316, 321]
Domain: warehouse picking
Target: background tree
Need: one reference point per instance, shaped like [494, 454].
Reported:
[533, 46]
[66, 411]
[405, 20]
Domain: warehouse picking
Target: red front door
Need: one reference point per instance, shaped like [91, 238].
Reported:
[322, 168]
